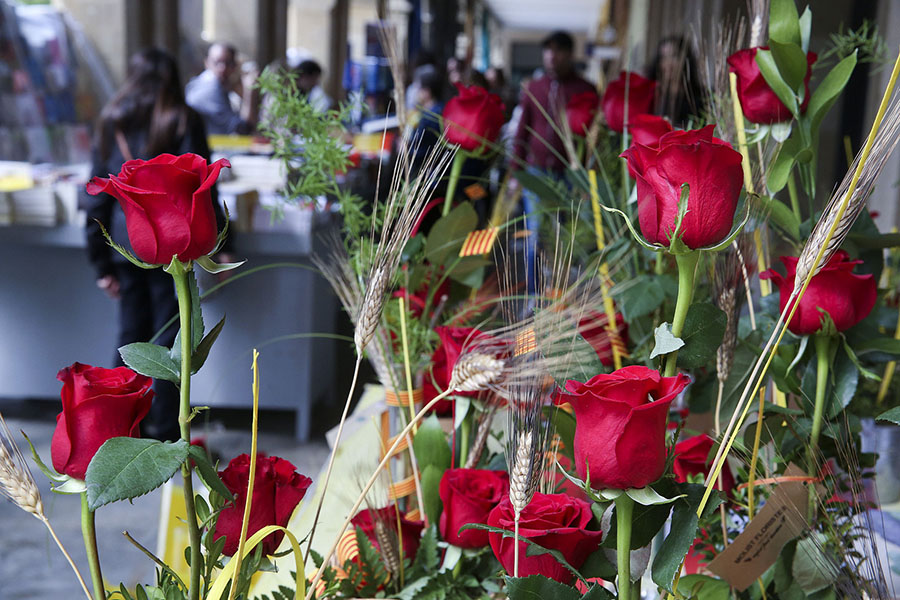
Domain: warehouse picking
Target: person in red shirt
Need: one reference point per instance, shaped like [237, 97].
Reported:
[537, 142]
[537, 145]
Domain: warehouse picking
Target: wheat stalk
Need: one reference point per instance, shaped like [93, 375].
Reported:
[17, 484]
[841, 212]
[481, 436]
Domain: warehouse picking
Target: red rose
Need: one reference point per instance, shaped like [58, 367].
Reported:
[758, 101]
[468, 496]
[640, 99]
[473, 117]
[708, 165]
[620, 425]
[442, 362]
[167, 204]
[410, 531]
[277, 490]
[692, 458]
[847, 298]
[647, 129]
[580, 111]
[553, 521]
[97, 404]
[592, 328]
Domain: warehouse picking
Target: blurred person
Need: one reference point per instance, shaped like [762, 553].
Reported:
[146, 117]
[455, 70]
[679, 93]
[424, 62]
[537, 144]
[427, 132]
[208, 93]
[309, 77]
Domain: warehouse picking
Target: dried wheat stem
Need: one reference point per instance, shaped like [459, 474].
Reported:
[17, 484]
[516, 544]
[381, 465]
[334, 448]
[481, 436]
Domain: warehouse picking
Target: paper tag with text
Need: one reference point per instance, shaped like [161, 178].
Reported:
[757, 548]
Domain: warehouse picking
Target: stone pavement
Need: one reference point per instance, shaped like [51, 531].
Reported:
[32, 567]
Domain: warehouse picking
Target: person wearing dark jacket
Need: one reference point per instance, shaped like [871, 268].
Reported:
[146, 117]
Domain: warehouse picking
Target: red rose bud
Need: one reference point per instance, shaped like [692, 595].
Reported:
[708, 165]
[692, 458]
[167, 204]
[553, 521]
[97, 404]
[640, 99]
[468, 496]
[647, 129]
[473, 117]
[758, 101]
[620, 425]
[580, 111]
[593, 328]
[410, 531]
[847, 298]
[277, 490]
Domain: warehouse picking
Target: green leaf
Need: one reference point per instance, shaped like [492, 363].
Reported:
[197, 327]
[638, 296]
[599, 565]
[784, 22]
[874, 242]
[812, 571]
[543, 186]
[211, 266]
[665, 341]
[647, 496]
[151, 360]
[431, 482]
[207, 472]
[879, 344]
[427, 556]
[563, 425]
[781, 167]
[701, 587]
[538, 587]
[449, 233]
[704, 327]
[781, 216]
[48, 472]
[791, 62]
[125, 468]
[682, 534]
[469, 271]
[769, 70]
[846, 379]
[890, 416]
[201, 352]
[430, 445]
[827, 92]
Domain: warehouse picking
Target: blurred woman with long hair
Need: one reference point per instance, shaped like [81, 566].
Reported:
[146, 117]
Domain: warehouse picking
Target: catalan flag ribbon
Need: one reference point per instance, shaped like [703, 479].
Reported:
[525, 342]
[479, 242]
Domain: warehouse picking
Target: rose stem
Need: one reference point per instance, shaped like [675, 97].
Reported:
[180, 273]
[362, 496]
[516, 544]
[823, 362]
[90, 546]
[795, 201]
[455, 170]
[624, 509]
[687, 268]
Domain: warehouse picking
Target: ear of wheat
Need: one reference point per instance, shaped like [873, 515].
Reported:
[16, 481]
[860, 188]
